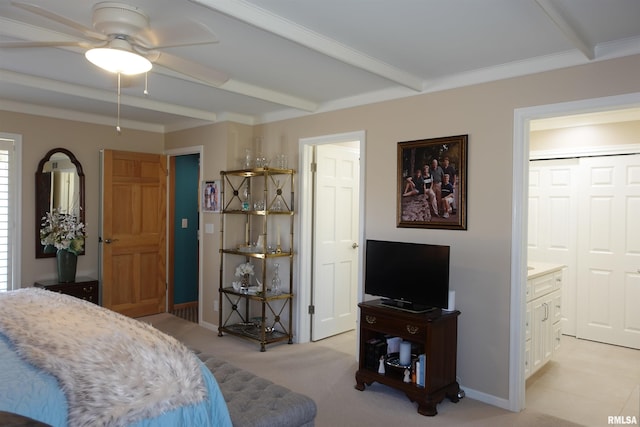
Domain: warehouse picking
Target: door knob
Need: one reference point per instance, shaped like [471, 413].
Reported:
[354, 246]
[110, 240]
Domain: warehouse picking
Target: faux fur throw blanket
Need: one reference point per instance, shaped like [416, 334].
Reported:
[113, 370]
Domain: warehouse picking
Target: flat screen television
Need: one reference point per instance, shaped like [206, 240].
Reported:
[407, 276]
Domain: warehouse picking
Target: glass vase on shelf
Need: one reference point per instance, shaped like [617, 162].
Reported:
[248, 159]
[275, 282]
[245, 197]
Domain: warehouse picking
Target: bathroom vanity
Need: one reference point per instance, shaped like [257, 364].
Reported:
[543, 315]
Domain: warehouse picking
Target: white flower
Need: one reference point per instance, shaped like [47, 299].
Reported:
[63, 231]
[245, 268]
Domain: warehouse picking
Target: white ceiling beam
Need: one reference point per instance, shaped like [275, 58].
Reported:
[296, 33]
[103, 95]
[569, 31]
[243, 88]
[265, 94]
[64, 114]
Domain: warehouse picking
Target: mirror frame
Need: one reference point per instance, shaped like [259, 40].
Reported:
[43, 195]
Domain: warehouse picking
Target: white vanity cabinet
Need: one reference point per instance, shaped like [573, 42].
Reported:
[543, 315]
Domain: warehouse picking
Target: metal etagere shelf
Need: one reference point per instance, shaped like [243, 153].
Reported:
[256, 227]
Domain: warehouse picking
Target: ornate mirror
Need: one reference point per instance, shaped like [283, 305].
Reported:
[59, 184]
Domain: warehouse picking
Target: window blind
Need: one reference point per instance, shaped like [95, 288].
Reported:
[6, 217]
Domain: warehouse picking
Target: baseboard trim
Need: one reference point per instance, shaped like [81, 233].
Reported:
[209, 326]
[489, 399]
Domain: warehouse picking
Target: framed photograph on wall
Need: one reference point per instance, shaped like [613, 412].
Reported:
[432, 183]
[211, 196]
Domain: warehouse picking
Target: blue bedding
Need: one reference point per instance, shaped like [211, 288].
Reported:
[29, 391]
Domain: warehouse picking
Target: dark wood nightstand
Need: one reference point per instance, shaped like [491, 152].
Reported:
[434, 333]
[84, 288]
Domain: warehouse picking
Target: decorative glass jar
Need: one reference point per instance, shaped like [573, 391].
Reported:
[275, 282]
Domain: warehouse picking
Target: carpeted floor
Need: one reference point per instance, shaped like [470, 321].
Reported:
[325, 371]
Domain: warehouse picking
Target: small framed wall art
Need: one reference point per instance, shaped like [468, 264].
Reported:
[211, 196]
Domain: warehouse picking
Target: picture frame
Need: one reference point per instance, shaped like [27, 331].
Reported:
[425, 199]
[211, 196]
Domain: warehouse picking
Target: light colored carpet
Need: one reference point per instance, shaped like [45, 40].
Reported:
[325, 371]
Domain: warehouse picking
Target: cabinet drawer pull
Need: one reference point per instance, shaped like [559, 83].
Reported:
[370, 319]
[412, 329]
[88, 289]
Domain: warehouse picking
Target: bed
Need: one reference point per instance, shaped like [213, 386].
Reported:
[69, 362]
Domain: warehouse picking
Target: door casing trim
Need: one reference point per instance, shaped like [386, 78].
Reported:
[519, 220]
[198, 149]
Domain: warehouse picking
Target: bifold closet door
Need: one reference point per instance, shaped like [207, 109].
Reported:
[609, 250]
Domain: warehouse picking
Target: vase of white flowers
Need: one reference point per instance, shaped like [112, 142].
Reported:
[66, 233]
[244, 271]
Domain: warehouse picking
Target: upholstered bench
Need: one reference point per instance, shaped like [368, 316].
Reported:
[257, 402]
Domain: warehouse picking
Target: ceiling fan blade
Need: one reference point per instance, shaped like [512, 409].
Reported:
[181, 44]
[187, 34]
[88, 32]
[23, 44]
[189, 68]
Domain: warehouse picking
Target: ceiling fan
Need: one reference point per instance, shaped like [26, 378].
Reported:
[122, 41]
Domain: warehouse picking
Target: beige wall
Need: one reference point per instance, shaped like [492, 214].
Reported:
[39, 135]
[581, 137]
[480, 264]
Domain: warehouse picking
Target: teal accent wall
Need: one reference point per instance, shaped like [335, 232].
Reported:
[185, 261]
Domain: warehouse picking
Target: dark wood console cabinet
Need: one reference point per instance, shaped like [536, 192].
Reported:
[84, 288]
[433, 333]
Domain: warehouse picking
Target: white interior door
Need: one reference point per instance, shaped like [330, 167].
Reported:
[609, 257]
[335, 265]
[553, 209]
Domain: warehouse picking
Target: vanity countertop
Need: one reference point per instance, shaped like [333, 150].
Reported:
[535, 269]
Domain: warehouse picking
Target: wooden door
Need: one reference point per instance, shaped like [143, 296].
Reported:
[134, 232]
[335, 263]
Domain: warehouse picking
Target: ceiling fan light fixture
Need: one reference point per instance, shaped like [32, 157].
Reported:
[118, 61]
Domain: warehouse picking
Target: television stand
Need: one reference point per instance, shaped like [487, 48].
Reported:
[406, 306]
[433, 334]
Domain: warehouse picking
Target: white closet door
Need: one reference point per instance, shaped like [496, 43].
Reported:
[609, 250]
[553, 209]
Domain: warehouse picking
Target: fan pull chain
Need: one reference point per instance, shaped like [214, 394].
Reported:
[118, 120]
[146, 92]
